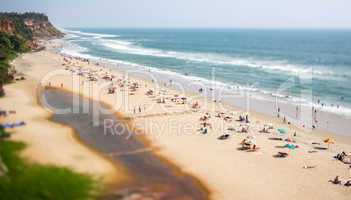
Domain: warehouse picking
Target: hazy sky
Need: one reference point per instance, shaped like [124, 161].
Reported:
[190, 13]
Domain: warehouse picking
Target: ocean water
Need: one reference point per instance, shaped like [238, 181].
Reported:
[301, 66]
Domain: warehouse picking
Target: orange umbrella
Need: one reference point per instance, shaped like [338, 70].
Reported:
[329, 141]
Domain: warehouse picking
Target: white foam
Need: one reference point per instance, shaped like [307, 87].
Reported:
[336, 110]
[74, 50]
[275, 66]
[94, 35]
[77, 51]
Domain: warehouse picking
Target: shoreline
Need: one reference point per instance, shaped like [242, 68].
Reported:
[195, 153]
[328, 120]
[338, 129]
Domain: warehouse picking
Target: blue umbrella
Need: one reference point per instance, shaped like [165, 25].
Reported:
[290, 146]
[282, 130]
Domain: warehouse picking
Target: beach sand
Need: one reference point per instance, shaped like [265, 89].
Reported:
[229, 173]
[48, 142]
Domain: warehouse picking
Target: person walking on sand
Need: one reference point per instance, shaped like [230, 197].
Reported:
[297, 111]
[139, 109]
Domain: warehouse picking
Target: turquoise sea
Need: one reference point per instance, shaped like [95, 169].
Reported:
[301, 66]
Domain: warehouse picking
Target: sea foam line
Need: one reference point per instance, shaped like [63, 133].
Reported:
[94, 35]
[77, 51]
[274, 66]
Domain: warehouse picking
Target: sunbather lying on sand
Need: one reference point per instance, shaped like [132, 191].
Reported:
[223, 137]
[13, 125]
[309, 166]
[281, 155]
[343, 157]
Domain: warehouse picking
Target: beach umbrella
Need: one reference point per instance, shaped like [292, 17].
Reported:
[328, 141]
[290, 146]
[282, 130]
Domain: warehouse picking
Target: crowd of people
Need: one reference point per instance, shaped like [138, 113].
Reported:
[241, 121]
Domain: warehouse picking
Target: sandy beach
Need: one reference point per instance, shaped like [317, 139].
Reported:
[47, 142]
[184, 130]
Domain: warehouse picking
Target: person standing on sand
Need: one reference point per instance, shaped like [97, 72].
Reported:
[315, 115]
[139, 109]
[297, 112]
[247, 119]
[278, 112]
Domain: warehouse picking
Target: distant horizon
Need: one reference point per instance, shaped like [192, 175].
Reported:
[233, 14]
[214, 28]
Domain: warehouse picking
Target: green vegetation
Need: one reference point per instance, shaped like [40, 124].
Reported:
[10, 45]
[17, 37]
[13, 43]
[23, 180]
[27, 15]
[27, 181]
[17, 19]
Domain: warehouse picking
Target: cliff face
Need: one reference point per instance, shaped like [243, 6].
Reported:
[28, 26]
[7, 26]
[19, 33]
[42, 28]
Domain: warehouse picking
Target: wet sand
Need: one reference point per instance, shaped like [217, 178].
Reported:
[151, 175]
[49, 143]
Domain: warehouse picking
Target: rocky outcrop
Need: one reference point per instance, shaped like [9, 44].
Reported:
[20, 33]
[42, 28]
[7, 26]
[28, 26]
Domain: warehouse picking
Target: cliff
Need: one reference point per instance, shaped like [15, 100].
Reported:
[28, 26]
[18, 34]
